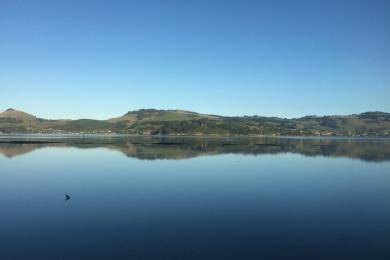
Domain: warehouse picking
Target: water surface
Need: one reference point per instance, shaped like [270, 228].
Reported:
[194, 198]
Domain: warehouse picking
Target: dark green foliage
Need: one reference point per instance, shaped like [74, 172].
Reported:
[10, 120]
[85, 125]
[328, 121]
[375, 116]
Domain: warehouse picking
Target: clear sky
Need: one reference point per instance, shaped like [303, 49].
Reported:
[98, 59]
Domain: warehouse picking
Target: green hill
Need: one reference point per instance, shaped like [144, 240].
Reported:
[180, 122]
[160, 115]
[12, 115]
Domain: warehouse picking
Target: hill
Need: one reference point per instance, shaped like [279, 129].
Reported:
[160, 115]
[13, 115]
[180, 122]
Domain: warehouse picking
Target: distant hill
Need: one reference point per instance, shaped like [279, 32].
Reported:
[15, 115]
[180, 122]
[160, 115]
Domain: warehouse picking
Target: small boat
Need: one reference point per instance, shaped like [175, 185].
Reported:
[67, 196]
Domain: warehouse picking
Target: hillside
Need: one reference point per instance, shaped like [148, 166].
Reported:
[160, 115]
[180, 122]
[13, 115]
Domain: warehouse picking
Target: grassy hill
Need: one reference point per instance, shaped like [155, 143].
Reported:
[159, 115]
[180, 122]
[11, 115]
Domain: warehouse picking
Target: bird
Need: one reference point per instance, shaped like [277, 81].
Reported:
[67, 196]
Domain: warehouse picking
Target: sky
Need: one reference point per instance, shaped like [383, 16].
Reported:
[99, 59]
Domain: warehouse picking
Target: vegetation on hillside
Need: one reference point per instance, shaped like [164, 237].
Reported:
[179, 122]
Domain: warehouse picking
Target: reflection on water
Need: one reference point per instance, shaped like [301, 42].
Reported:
[186, 147]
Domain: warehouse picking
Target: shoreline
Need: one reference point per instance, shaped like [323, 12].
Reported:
[14, 136]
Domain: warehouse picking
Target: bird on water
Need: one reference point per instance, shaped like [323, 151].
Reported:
[67, 196]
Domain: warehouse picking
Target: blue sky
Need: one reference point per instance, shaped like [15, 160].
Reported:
[98, 59]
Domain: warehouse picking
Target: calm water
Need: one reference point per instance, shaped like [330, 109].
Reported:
[194, 198]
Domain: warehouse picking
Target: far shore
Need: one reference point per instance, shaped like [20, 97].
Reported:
[16, 136]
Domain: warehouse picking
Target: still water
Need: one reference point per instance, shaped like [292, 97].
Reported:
[194, 198]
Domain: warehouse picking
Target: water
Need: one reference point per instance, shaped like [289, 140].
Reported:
[194, 198]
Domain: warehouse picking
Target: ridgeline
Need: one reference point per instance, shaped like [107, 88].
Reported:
[180, 122]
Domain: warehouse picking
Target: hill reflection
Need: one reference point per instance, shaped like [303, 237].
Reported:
[152, 148]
